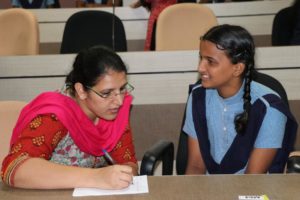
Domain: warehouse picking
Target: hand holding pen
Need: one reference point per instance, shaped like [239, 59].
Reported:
[108, 158]
[112, 177]
[117, 176]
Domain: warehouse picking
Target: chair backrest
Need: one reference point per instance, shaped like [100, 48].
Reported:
[272, 83]
[283, 27]
[9, 112]
[88, 28]
[180, 26]
[182, 152]
[19, 32]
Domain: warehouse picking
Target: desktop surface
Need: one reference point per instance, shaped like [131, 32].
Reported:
[206, 187]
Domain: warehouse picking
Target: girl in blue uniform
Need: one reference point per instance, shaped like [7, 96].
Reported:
[234, 124]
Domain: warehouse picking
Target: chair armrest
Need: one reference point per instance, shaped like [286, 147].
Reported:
[161, 151]
[293, 163]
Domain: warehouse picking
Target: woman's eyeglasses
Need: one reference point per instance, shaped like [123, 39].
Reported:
[126, 89]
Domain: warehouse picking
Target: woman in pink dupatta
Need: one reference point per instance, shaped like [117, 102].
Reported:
[62, 139]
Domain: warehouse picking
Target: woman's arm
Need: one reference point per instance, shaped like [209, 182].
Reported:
[139, 3]
[42, 174]
[136, 4]
[27, 163]
[195, 163]
[116, 2]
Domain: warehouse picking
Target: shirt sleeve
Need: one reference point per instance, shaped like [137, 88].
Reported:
[38, 139]
[188, 126]
[124, 150]
[272, 130]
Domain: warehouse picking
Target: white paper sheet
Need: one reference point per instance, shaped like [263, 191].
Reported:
[140, 185]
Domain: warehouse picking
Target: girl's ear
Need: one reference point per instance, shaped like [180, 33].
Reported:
[80, 91]
[239, 68]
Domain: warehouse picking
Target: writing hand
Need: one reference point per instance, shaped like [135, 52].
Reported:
[114, 177]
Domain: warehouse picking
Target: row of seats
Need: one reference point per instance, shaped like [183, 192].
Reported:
[87, 28]
[19, 30]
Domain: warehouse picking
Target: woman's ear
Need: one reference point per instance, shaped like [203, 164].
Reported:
[80, 91]
[239, 68]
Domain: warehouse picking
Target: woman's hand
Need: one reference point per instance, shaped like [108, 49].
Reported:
[113, 177]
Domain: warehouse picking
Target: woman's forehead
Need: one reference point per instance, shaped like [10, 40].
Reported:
[112, 78]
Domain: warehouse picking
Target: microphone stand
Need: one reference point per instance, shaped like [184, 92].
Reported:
[113, 25]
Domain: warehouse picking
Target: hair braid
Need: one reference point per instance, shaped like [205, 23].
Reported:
[241, 120]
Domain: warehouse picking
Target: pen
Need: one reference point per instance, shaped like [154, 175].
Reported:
[108, 157]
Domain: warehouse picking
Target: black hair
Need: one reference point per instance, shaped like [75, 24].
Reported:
[238, 45]
[91, 64]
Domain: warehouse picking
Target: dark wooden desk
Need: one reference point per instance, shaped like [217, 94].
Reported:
[214, 187]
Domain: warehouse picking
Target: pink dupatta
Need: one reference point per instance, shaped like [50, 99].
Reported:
[89, 137]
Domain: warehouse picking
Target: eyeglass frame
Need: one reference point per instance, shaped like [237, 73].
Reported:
[113, 94]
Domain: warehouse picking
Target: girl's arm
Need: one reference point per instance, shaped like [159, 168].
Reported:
[268, 141]
[260, 160]
[195, 163]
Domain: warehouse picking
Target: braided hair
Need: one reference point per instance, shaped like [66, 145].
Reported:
[238, 45]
